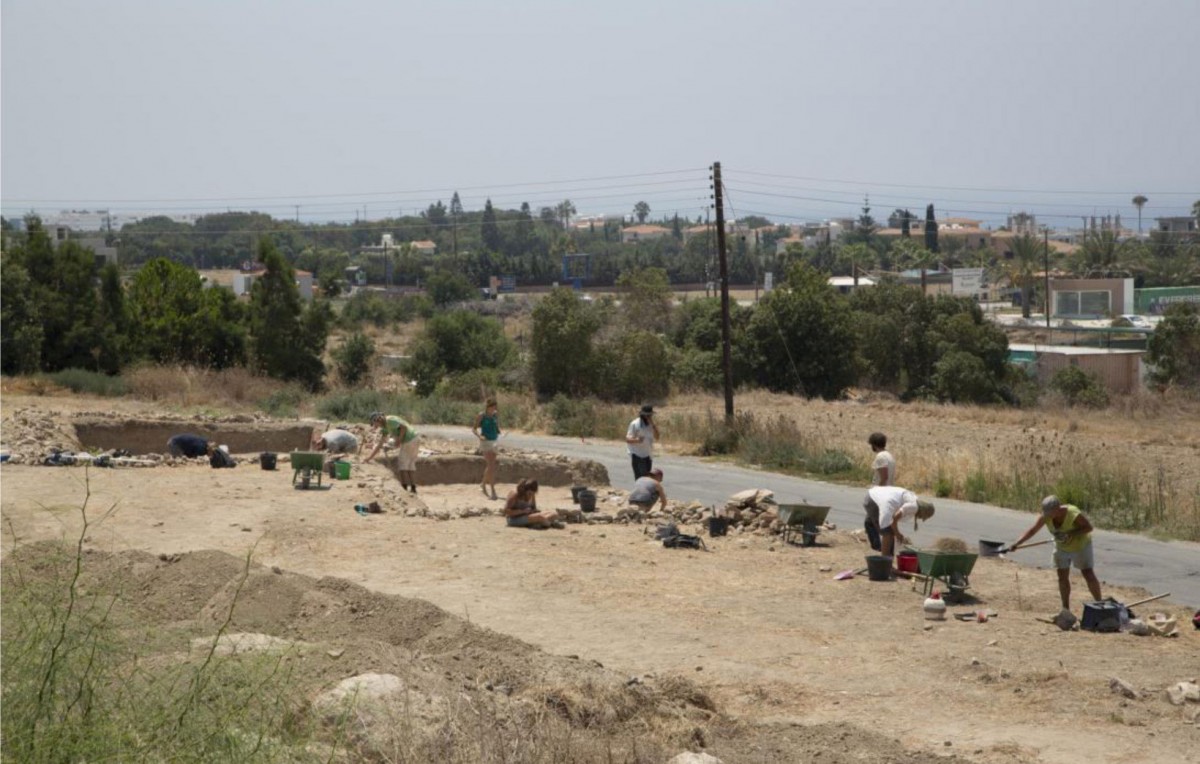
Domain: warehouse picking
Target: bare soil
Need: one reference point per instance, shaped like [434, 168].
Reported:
[797, 666]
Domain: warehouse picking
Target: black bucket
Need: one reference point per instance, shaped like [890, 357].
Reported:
[587, 500]
[575, 491]
[718, 526]
[1103, 616]
[879, 568]
[267, 460]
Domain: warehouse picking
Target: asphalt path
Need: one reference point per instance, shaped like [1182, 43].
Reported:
[1121, 558]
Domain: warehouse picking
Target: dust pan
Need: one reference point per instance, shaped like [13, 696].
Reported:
[848, 574]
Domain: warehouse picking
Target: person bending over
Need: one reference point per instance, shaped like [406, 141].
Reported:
[647, 490]
[1072, 545]
[896, 503]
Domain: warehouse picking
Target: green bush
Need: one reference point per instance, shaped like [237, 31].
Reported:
[284, 403]
[1079, 388]
[960, 377]
[446, 287]
[372, 307]
[693, 369]
[475, 385]
[831, 462]
[1174, 348]
[90, 382]
[575, 417]
[453, 342]
[356, 405]
[563, 329]
[632, 367]
[353, 357]
[943, 487]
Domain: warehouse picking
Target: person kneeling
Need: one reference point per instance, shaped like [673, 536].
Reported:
[647, 490]
[520, 511]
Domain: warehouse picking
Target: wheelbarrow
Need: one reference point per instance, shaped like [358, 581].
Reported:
[953, 569]
[306, 464]
[803, 518]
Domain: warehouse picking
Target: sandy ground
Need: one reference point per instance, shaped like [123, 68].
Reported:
[762, 626]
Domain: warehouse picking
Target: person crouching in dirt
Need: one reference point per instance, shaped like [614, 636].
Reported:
[336, 441]
[520, 510]
[219, 458]
[647, 490]
[896, 503]
[395, 428]
[187, 445]
[1072, 545]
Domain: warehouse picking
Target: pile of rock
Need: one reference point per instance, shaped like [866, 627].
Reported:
[30, 434]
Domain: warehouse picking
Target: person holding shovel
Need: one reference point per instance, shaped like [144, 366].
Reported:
[1072, 545]
[487, 429]
[394, 427]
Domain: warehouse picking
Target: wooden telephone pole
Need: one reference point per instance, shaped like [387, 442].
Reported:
[726, 364]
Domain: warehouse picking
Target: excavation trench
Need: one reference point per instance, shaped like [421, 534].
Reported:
[148, 436]
[443, 469]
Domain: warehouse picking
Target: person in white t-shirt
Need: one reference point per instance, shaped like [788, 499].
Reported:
[894, 504]
[883, 472]
[640, 440]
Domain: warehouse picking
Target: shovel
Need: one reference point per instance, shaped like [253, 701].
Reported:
[998, 547]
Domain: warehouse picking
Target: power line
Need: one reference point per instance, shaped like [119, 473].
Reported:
[964, 188]
[911, 201]
[362, 193]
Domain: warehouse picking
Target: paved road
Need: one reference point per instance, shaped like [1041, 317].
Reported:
[1126, 559]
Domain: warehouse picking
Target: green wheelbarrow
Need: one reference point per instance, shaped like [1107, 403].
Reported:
[305, 464]
[953, 569]
[804, 519]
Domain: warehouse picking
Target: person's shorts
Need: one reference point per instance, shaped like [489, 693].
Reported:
[407, 456]
[871, 508]
[522, 521]
[1084, 559]
[643, 506]
[487, 447]
[888, 531]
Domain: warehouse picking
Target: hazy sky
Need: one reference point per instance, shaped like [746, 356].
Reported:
[980, 107]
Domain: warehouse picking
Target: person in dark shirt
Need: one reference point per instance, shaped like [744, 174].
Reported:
[187, 444]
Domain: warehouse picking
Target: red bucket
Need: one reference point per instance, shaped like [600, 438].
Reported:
[908, 562]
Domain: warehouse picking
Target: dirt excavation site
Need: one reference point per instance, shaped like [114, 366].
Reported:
[461, 639]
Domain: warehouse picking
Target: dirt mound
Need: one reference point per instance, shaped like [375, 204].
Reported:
[537, 706]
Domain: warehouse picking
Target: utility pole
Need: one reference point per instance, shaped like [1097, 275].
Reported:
[1046, 268]
[726, 361]
[297, 213]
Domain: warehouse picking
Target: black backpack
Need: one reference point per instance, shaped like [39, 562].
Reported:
[684, 541]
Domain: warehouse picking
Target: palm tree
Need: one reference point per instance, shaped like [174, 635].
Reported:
[1139, 201]
[1102, 255]
[1026, 249]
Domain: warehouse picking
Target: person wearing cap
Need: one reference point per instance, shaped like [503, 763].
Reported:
[394, 427]
[894, 504]
[1072, 545]
[640, 440]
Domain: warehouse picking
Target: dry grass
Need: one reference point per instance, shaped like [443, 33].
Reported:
[191, 386]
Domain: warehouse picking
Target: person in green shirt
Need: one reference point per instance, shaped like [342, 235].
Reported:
[405, 436]
[487, 429]
[1072, 545]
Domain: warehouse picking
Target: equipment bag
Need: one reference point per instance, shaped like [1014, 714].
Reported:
[684, 541]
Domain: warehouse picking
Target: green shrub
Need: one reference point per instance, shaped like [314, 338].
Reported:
[721, 438]
[356, 405]
[1079, 388]
[960, 377]
[475, 385]
[976, 486]
[943, 486]
[437, 410]
[563, 329]
[632, 367]
[694, 369]
[445, 287]
[283, 403]
[831, 462]
[453, 342]
[575, 417]
[90, 382]
[352, 358]
[1174, 348]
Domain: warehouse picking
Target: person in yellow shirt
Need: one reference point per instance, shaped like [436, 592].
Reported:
[1072, 545]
